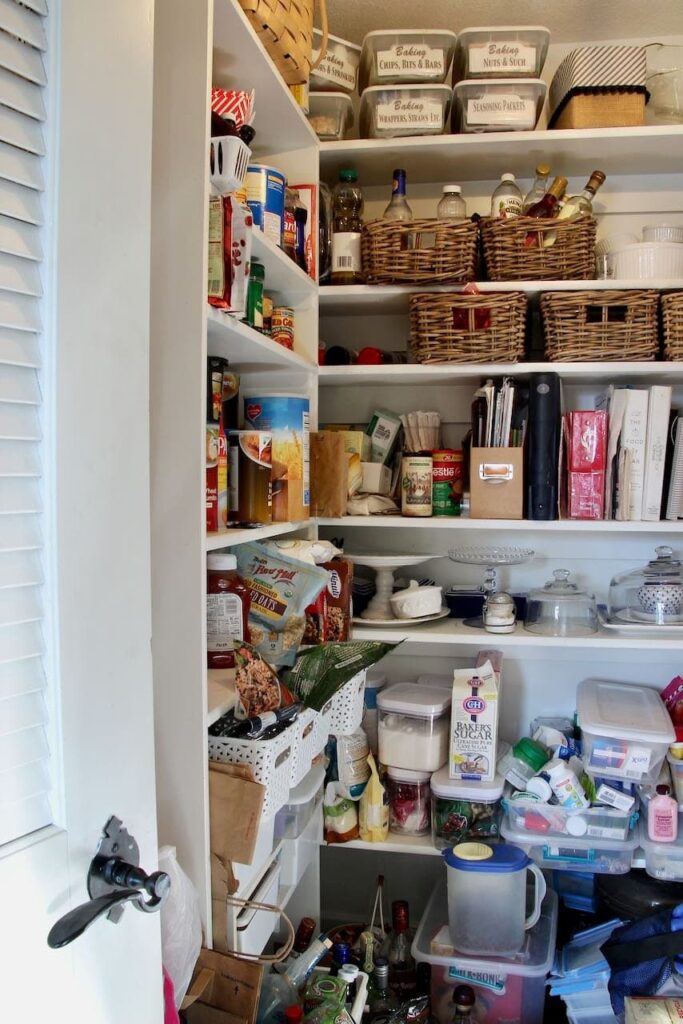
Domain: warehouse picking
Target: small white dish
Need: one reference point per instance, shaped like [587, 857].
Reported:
[415, 602]
[663, 233]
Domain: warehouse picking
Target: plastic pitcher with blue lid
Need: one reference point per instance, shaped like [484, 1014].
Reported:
[487, 888]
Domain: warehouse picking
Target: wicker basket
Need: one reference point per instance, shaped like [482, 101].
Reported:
[419, 252]
[604, 326]
[455, 328]
[285, 27]
[509, 257]
[672, 317]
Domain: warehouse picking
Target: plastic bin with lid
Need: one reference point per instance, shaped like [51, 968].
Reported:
[574, 853]
[505, 51]
[330, 115]
[413, 730]
[626, 729]
[663, 860]
[533, 817]
[676, 769]
[464, 809]
[338, 70]
[401, 56]
[497, 105]
[510, 989]
[392, 112]
[301, 804]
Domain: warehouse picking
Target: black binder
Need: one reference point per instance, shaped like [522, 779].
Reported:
[543, 446]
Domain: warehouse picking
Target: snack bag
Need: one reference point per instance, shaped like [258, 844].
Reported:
[373, 812]
[339, 815]
[281, 589]
[321, 671]
[258, 687]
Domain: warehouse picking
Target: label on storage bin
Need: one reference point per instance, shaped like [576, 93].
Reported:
[482, 979]
[409, 113]
[502, 108]
[502, 56]
[335, 69]
[418, 61]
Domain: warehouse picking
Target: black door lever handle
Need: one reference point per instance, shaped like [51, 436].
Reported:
[77, 920]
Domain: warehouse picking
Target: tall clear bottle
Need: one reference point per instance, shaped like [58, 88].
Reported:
[452, 206]
[398, 208]
[402, 977]
[506, 201]
[575, 206]
[539, 187]
[382, 1000]
[347, 225]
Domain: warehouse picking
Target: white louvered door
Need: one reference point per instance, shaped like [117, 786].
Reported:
[76, 714]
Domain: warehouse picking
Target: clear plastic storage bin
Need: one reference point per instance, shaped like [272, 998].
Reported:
[663, 860]
[497, 105]
[414, 724]
[626, 729]
[405, 55]
[569, 853]
[301, 805]
[510, 989]
[533, 818]
[330, 115]
[506, 51]
[403, 110]
[339, 67]
[464, 810]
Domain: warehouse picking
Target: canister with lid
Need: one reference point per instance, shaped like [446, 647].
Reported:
[414, 725]
[416, 485]
[464, 809]
[447, 482]
[408, 793]
[523, 761]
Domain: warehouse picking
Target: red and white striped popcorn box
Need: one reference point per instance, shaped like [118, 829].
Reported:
[237, 102]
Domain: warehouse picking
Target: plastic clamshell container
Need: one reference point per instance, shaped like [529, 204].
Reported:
[338, 70]
[392, 112]
[414, 724]
[534, 818]
[497, 105]
[330, 115]
[505, 51]
[569, 853]
[510, 988]
[663, 860]
[291, 820]
[464, 809]
[626, 729]
[402, 56]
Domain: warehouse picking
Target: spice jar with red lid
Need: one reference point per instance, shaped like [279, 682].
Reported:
[227, 610]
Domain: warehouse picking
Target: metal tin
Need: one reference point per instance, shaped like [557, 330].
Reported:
[282, 326]
[266, 199]
[447, 482]
[416, 485]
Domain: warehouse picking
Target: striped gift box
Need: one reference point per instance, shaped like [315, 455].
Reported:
[597, 69]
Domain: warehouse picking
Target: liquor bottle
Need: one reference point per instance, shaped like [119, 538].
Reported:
[401, 964]
[398, 208]
[547, 206]
[539, 187]
[583, 203]
[506, 201]
[452, 206]
[302, 939]
[383, 1001]
[341, 954]
[463, 1000]
[368, 965]
[347, 224]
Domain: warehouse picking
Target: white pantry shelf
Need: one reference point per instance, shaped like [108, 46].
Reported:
[391, 299]
[586, 526]
[221, 693]
[283, 275]
[393, 844]
[416, 374]
[248, 349]
[229, 538]
[479, 157]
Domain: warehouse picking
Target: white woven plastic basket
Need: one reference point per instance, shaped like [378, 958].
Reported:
[343, 714]
[310, 740]
[270, 761]
[228, 161]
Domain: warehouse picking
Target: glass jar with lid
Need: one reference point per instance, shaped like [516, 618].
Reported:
[561, 608]
[652, 594]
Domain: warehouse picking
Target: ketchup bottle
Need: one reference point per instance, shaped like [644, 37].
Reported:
[227, 610]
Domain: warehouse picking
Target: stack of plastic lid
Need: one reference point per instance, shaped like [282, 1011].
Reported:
[581, 975]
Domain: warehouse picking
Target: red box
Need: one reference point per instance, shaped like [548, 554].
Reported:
[586, 458]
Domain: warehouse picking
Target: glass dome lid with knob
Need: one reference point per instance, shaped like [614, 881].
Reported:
[651, 595]
[561, 608]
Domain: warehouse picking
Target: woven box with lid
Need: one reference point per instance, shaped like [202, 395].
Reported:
[599, 87]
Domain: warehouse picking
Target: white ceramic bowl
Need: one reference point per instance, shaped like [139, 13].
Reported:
[663, 233]
[648, 260]
[416, 601]
[611, 243]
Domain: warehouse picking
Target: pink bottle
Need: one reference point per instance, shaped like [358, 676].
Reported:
[662, 817]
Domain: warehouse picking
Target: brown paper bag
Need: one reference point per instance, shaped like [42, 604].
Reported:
[235, 805]
[329, 474]
[224, 990]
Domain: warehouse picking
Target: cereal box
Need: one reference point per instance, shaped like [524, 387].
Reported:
[474, 723]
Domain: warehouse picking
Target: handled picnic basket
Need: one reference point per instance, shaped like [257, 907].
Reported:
[285, 27]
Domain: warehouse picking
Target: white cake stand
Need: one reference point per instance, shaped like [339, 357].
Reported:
[384, 565]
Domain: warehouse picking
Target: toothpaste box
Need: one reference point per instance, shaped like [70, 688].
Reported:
[474, 723]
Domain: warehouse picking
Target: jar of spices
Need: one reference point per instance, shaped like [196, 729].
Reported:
[409, 801]
[227, 610]
[257, 277]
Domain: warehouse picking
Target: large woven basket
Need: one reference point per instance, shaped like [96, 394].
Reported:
[419, 252]
[285, 27]
[510, 257]
[604, 326]
[672, 317]
[451, 327]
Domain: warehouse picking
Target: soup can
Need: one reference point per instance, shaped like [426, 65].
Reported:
[282, 326]
[416, 485]
[447, 482]
[249, 469]
[266, 199]
[286, 418]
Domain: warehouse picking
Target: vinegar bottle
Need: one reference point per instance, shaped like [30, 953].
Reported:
[347, 225]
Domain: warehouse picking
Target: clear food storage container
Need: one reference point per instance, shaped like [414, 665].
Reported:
[497, 105]
[534, 818]
[405, 55]
[505, 51]
[626, 729]
[302, 803]
[414, 726]
[330, 115]
[339, 67]
[663, 860]
[570, 853]
[652, 594]
[464, 810]
[403, 110]
[408, 794]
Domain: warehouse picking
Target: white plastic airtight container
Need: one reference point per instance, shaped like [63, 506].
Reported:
[400, 56]
[414, 723]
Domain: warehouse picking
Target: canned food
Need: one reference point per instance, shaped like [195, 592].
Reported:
[249, 469]
[447, 482]
[416, 485]
[257, 276]
[282, 326]
[266, 199]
